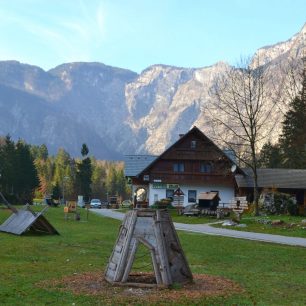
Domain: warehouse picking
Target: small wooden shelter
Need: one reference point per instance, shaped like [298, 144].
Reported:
[26, 219]
[154, 229]
[22, 220]
[209, 200]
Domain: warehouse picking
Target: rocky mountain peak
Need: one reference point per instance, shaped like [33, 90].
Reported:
[294, 46]
[117, 111]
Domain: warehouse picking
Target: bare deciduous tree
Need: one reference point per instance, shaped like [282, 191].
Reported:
[291, 73]
[241, 112]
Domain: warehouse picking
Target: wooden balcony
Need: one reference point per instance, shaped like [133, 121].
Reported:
[194, 178]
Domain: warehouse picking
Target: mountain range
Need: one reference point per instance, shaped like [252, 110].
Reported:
[117, 111]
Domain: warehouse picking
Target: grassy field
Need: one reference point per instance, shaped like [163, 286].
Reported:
[291, 227]
[270, 274]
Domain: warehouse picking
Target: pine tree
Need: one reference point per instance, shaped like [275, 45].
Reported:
[26, 179]
[8, 169]
[84, 174]
[270, 156]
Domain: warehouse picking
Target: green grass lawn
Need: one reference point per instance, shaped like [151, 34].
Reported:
[191, 219]
[270, 274]
[295, 230]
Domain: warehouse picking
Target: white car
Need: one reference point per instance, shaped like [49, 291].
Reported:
[95, 203]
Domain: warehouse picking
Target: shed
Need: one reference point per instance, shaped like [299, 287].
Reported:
[209, 200]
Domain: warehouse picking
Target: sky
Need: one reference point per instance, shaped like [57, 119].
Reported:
[135, 34]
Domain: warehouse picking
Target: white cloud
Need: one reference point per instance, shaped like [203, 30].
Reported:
[63, 36]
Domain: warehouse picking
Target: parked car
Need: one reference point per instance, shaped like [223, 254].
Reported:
[126, 204]
[95, 203]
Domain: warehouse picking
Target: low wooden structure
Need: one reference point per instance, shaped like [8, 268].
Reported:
[178, 200]
[238, 205]
[154, 229]
[113, 202]
[208, 200]
[71, 208]
[26, 219]
[22, 220]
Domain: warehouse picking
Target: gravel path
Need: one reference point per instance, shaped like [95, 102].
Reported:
[209, 230]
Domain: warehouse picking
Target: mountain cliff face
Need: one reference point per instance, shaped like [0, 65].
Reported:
[69, 105]
[116, 111]
[293, 47]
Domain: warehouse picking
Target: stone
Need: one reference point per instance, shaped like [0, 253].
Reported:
[229, 223]
[264, 221]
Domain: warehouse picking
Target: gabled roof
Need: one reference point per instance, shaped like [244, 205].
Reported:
[278, 178]
[181, 139]
[136, 163]
[208, 195]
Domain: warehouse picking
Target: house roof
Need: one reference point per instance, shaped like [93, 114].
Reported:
[136, 163]
[208, 195]
[278, 178]
[193, 130]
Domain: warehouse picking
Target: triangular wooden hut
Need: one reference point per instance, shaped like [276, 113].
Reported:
[22, 220]
[154, 229]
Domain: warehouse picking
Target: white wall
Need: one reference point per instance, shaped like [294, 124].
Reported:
[161, 194]
[225, 193]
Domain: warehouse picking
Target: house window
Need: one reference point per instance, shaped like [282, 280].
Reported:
[192, 196]
[155, 198]
[193, 144]
[169, 194]
[206, 167]
[178, 167]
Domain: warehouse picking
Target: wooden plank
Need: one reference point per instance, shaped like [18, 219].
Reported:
[112, 265]
[130, 261]
[131, 220]
[161, 249]
[118, 248]
[116, 257]
[140, 285]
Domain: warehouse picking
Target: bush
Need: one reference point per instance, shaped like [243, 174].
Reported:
[282, 203]
[163, 203]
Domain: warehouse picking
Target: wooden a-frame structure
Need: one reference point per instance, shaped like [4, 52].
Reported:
[22, 220]
[154, 229]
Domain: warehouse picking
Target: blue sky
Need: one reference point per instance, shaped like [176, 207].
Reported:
[135, 34]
